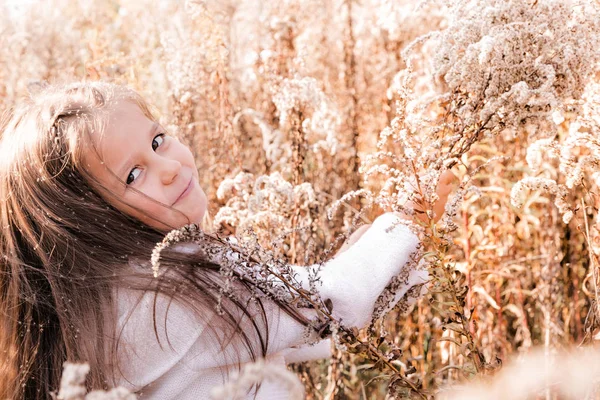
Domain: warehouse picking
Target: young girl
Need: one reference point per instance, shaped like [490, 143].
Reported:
[89, 184]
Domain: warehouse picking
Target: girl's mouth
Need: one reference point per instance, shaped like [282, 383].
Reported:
[186, 191]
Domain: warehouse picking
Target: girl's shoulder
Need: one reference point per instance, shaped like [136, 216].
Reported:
[154, 333]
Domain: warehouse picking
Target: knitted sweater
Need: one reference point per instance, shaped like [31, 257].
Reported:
[189, 361]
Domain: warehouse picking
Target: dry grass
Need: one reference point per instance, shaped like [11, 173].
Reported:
[290, 105]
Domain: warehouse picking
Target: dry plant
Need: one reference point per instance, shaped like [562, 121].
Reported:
[72, 386]
[307, 117]
[259, 372]
[571, 375]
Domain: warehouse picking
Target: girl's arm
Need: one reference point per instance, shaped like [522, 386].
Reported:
[415, 277]
[373, 255]
[355, 277]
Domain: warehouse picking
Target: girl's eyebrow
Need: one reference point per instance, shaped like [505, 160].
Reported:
[125, 166]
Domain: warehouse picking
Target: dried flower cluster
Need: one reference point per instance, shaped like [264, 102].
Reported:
[187, 233]
[512, 62]
[271, 207]
[259, 372]
[571, 375]
[72, 386]
[575, 148]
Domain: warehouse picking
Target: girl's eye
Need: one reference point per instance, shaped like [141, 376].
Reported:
[133, 175]
[157, 141]
[135, 172]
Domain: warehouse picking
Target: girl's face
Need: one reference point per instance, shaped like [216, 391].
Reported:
[157, 176]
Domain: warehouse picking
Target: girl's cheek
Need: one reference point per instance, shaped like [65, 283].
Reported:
[139, 200]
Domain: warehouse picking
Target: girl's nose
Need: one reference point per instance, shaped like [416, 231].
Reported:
[169, 171]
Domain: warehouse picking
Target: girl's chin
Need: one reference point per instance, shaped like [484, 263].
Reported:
[199, 219]
[195, 217]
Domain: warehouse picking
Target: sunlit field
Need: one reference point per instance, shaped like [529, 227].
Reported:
[308, 118]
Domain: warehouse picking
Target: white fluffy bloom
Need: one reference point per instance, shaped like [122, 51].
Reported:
[240, 185]
[72, 386]
[406, 19]
[486, 46]
[72, 382]
[558, 117]
[536, 152]
[567, 216]
[518, 195]
[255, 373]
[476, 55]
[568, 375]
[304, 95]
[577, 151]
[265, 205]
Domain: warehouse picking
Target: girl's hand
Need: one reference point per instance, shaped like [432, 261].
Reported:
[445, 186]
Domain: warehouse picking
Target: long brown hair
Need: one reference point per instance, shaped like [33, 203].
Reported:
[63, 248]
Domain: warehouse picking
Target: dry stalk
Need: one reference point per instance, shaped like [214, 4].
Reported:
[351, 87]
